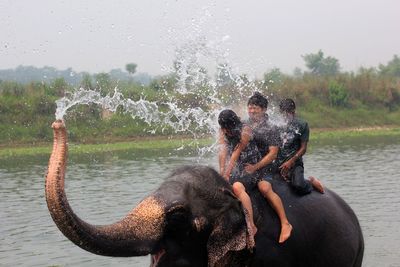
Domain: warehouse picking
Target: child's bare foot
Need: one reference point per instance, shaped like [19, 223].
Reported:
[286, 230]
[317, 184]
[252, 230]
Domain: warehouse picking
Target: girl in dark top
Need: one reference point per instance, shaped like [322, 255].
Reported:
[236, 149]
[232, 139]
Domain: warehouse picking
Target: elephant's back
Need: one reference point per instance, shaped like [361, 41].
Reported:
[317, 211]
[323, 223]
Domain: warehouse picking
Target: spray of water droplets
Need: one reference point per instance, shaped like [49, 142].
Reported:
[193, 58]
[177, 118]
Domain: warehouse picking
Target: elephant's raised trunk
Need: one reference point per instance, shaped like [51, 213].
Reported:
[134, 235]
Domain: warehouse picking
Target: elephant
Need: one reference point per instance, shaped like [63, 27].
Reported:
[194, 219]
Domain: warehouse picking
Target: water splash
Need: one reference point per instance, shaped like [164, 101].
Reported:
[197, 59]
[179, 119]
[163, 114]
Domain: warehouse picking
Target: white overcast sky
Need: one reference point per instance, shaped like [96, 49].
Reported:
[252, 35]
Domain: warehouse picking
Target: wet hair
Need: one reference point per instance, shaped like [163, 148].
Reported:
[228, 120]
[287, 105]
[258, 99]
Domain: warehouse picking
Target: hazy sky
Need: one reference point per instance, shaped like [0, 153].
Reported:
[252, 35]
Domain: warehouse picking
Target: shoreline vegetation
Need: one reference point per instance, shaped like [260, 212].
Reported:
[336, 104]
[319, 135]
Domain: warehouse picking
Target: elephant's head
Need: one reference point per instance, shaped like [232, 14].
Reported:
[193, 219]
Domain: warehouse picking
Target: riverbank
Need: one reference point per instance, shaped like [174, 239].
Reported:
[353, 132]
[322, 135]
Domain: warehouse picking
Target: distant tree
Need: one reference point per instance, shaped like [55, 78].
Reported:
[367, 71]
[273, 76]
[27, 74]
[86, 81]
[12, 88]
[131, 68]
[318, 64]
[338, 95]
[103, 81]
[392, 68]
[59, 86]
[120, 75]
[163, 83]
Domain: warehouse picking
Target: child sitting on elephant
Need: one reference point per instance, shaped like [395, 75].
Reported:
[237, 149]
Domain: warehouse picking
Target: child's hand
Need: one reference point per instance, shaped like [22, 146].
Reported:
[250, 168]
[226, 176]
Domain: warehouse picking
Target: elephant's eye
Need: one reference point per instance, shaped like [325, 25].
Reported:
[177, 219]
[199, 223]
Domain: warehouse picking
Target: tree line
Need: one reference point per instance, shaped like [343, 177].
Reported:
[27, 74]
[326, 96]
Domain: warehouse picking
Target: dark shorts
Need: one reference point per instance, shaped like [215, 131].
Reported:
[267, 177]
[269, 173]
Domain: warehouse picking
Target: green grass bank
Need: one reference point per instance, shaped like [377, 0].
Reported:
[318, 136]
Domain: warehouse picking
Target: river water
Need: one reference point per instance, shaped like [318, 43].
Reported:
[102, 188]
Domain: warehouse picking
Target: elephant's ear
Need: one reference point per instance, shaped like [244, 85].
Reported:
[231, 233]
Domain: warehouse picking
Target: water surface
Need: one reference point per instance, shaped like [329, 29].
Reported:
[102, 188]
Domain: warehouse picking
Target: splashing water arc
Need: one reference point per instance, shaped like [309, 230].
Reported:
[191, 77]
[175, 117]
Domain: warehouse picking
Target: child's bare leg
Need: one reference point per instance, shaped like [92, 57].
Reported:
[240, 192]
[276, 203]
